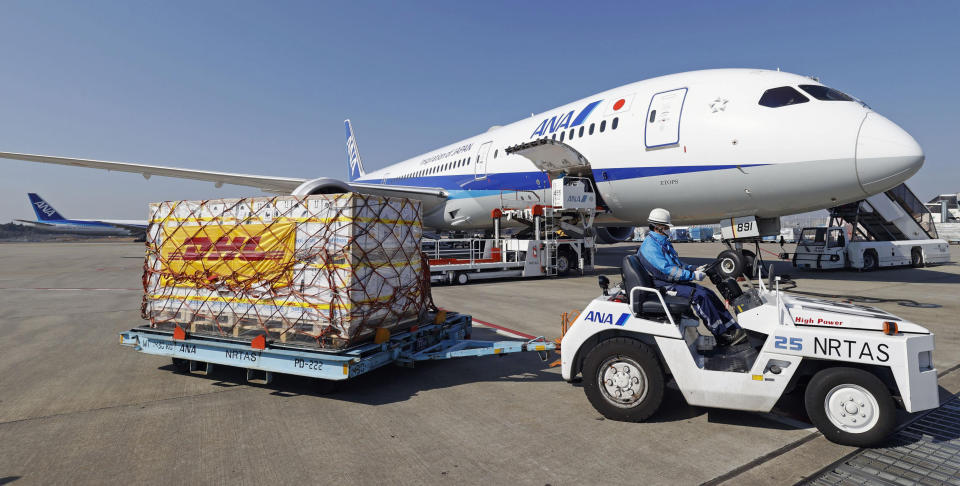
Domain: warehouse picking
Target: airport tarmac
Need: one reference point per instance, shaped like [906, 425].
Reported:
[76, 407]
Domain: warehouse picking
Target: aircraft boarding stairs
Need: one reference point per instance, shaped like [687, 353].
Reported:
[894, 215]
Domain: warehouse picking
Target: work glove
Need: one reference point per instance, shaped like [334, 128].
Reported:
[698, 275]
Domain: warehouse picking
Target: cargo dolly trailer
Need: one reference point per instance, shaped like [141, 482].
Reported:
[446, 336]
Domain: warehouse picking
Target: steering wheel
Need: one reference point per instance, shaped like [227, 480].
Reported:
[711, 265]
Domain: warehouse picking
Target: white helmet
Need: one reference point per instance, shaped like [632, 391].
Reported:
[659, 216]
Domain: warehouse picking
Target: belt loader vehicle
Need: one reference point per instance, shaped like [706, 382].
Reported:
[855, 363]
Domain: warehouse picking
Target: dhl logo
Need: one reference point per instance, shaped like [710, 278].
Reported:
[239, 255]
[225, 248]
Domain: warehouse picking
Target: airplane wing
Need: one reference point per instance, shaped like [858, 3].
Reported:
[280, 185]
[431, 197]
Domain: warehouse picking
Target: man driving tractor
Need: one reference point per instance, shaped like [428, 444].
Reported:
[660, 259]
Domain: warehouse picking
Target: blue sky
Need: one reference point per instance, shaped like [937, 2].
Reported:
[263, 87]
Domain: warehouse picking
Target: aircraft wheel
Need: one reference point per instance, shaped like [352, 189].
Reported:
[749, 264]
[850, 406]
[731, 264]
[623, 380]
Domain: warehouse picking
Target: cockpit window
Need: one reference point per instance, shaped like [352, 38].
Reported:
[782, 96]
[824, 93]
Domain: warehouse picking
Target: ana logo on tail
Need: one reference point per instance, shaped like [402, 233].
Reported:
[353, 154]
[42, 208]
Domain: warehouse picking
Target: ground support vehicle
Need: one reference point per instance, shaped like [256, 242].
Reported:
[446, 336]
[789, 235]
[885, 230]
[854, 364]
[551, 240]
[890, 228]
[701, 233]
[827, 247]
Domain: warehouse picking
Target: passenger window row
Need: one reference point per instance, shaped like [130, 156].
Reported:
[438, 168]
[566, 134]
[574, 132]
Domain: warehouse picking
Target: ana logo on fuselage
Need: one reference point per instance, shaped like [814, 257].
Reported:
[565, 120]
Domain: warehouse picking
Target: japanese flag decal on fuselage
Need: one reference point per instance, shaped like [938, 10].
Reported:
[353, 154]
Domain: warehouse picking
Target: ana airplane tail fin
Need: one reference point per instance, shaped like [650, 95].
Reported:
[44, 210]
[353, 155]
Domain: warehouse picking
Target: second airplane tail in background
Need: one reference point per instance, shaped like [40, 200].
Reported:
[43, 209]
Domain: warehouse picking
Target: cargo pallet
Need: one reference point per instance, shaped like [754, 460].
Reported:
[446, 337]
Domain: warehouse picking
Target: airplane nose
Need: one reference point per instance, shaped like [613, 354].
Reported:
[886, 154]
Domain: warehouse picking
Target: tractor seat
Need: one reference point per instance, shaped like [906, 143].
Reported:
[647, 303]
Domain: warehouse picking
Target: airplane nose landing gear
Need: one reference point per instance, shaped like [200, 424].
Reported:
[737, 263]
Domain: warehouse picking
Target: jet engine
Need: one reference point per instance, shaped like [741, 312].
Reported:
[321, 185]
[614, 234]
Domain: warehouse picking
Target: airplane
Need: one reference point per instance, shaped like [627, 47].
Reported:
[707, 145]
[50, 220]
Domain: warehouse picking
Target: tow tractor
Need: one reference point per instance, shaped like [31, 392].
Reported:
[855, 364]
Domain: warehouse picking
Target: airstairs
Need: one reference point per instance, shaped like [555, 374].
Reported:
[894, 215]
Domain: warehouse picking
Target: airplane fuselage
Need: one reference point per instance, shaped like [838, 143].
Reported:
[86, 227]
[700, 144]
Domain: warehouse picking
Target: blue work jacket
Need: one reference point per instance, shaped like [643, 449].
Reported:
[661, 260]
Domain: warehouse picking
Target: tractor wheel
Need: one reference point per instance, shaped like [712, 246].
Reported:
[623, 380]
[850, 406]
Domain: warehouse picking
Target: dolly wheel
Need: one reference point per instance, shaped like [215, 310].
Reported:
[181, 365]
[850, 406]
[326, 387]
[623, 380]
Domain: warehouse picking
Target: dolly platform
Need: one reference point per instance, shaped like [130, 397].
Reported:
[448, 336]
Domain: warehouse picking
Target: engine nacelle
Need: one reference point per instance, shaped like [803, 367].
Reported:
[321, 185]
[614, 234]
